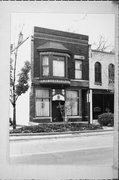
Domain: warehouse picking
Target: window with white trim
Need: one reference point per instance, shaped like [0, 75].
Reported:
[78, 69]
[45, 65]
[53, 65]
[42, 102]
[58, 66]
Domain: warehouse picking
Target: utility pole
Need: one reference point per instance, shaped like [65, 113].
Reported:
[15, 51]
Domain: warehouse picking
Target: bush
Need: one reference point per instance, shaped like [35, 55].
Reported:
[63, 127]
[106, 119]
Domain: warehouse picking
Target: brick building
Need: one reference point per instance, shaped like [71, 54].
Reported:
[60, 76]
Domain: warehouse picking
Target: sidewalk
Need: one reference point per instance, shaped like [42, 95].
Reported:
[32, 136]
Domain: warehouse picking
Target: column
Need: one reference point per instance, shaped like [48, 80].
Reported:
[91, 106]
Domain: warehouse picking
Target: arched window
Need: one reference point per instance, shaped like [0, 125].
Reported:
[111, 73]
[98, 73]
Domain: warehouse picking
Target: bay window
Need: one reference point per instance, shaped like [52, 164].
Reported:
[58, 66]
[53, 64]
[71, 103]
[45, 65]
[42, 102]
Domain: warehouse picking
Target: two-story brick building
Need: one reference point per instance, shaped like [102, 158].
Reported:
[59, 77]
[101, 75]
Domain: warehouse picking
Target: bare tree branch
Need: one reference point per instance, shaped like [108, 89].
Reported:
[103, 44]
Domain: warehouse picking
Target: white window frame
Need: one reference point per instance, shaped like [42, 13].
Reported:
[45, 66]
[76, 100]
[42, 100]
[78, 69]
[58, 59]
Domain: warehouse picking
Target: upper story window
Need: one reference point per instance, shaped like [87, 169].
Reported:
[45, 65]
[54, 64]
[98, 73]
[58, 66]
[111, 73]
[78, 69]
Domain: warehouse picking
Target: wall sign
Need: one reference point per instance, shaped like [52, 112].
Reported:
[58, 97]
[79, 57]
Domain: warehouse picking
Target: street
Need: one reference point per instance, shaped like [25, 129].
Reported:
[79, 150]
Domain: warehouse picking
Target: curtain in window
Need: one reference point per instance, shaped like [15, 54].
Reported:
[58, 68]
[45, 64]
[71, 103]
[42, 102]
[111, 73]
[97, 72]
[78, 69]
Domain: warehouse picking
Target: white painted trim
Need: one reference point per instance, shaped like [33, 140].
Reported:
[54, 53]
[74, 116]
[90, 100]
[42, 117]
[79, 80]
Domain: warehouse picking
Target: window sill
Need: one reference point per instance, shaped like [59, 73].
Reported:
[97, 83]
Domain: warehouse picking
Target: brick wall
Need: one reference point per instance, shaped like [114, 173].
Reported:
[32, 103]
[77, 44]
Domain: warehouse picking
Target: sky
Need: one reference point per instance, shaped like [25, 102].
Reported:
[93, 25]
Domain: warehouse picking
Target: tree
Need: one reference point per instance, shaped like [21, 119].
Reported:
[21, 86]
[103, 45]
[67, 108]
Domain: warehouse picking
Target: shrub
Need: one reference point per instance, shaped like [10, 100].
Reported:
[46, 128]
[106, 119]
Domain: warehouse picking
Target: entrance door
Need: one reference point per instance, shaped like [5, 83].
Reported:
[56, 111]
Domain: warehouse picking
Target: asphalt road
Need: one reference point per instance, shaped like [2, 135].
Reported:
[85, 150]
[101, 156]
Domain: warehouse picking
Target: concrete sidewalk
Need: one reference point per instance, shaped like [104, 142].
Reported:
[32, 136]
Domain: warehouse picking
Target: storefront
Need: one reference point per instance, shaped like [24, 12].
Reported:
[102, 102]
[59, 105]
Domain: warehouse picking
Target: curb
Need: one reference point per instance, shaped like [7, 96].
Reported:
[40, 136]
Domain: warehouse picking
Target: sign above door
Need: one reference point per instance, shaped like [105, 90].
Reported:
[58, 97]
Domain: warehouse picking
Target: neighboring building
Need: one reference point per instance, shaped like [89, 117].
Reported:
[101, 84]
[60, 76]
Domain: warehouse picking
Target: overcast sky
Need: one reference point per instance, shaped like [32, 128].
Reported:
[92, 25]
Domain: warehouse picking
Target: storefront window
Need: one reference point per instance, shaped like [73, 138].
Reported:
[42, 102]
[71, 103]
